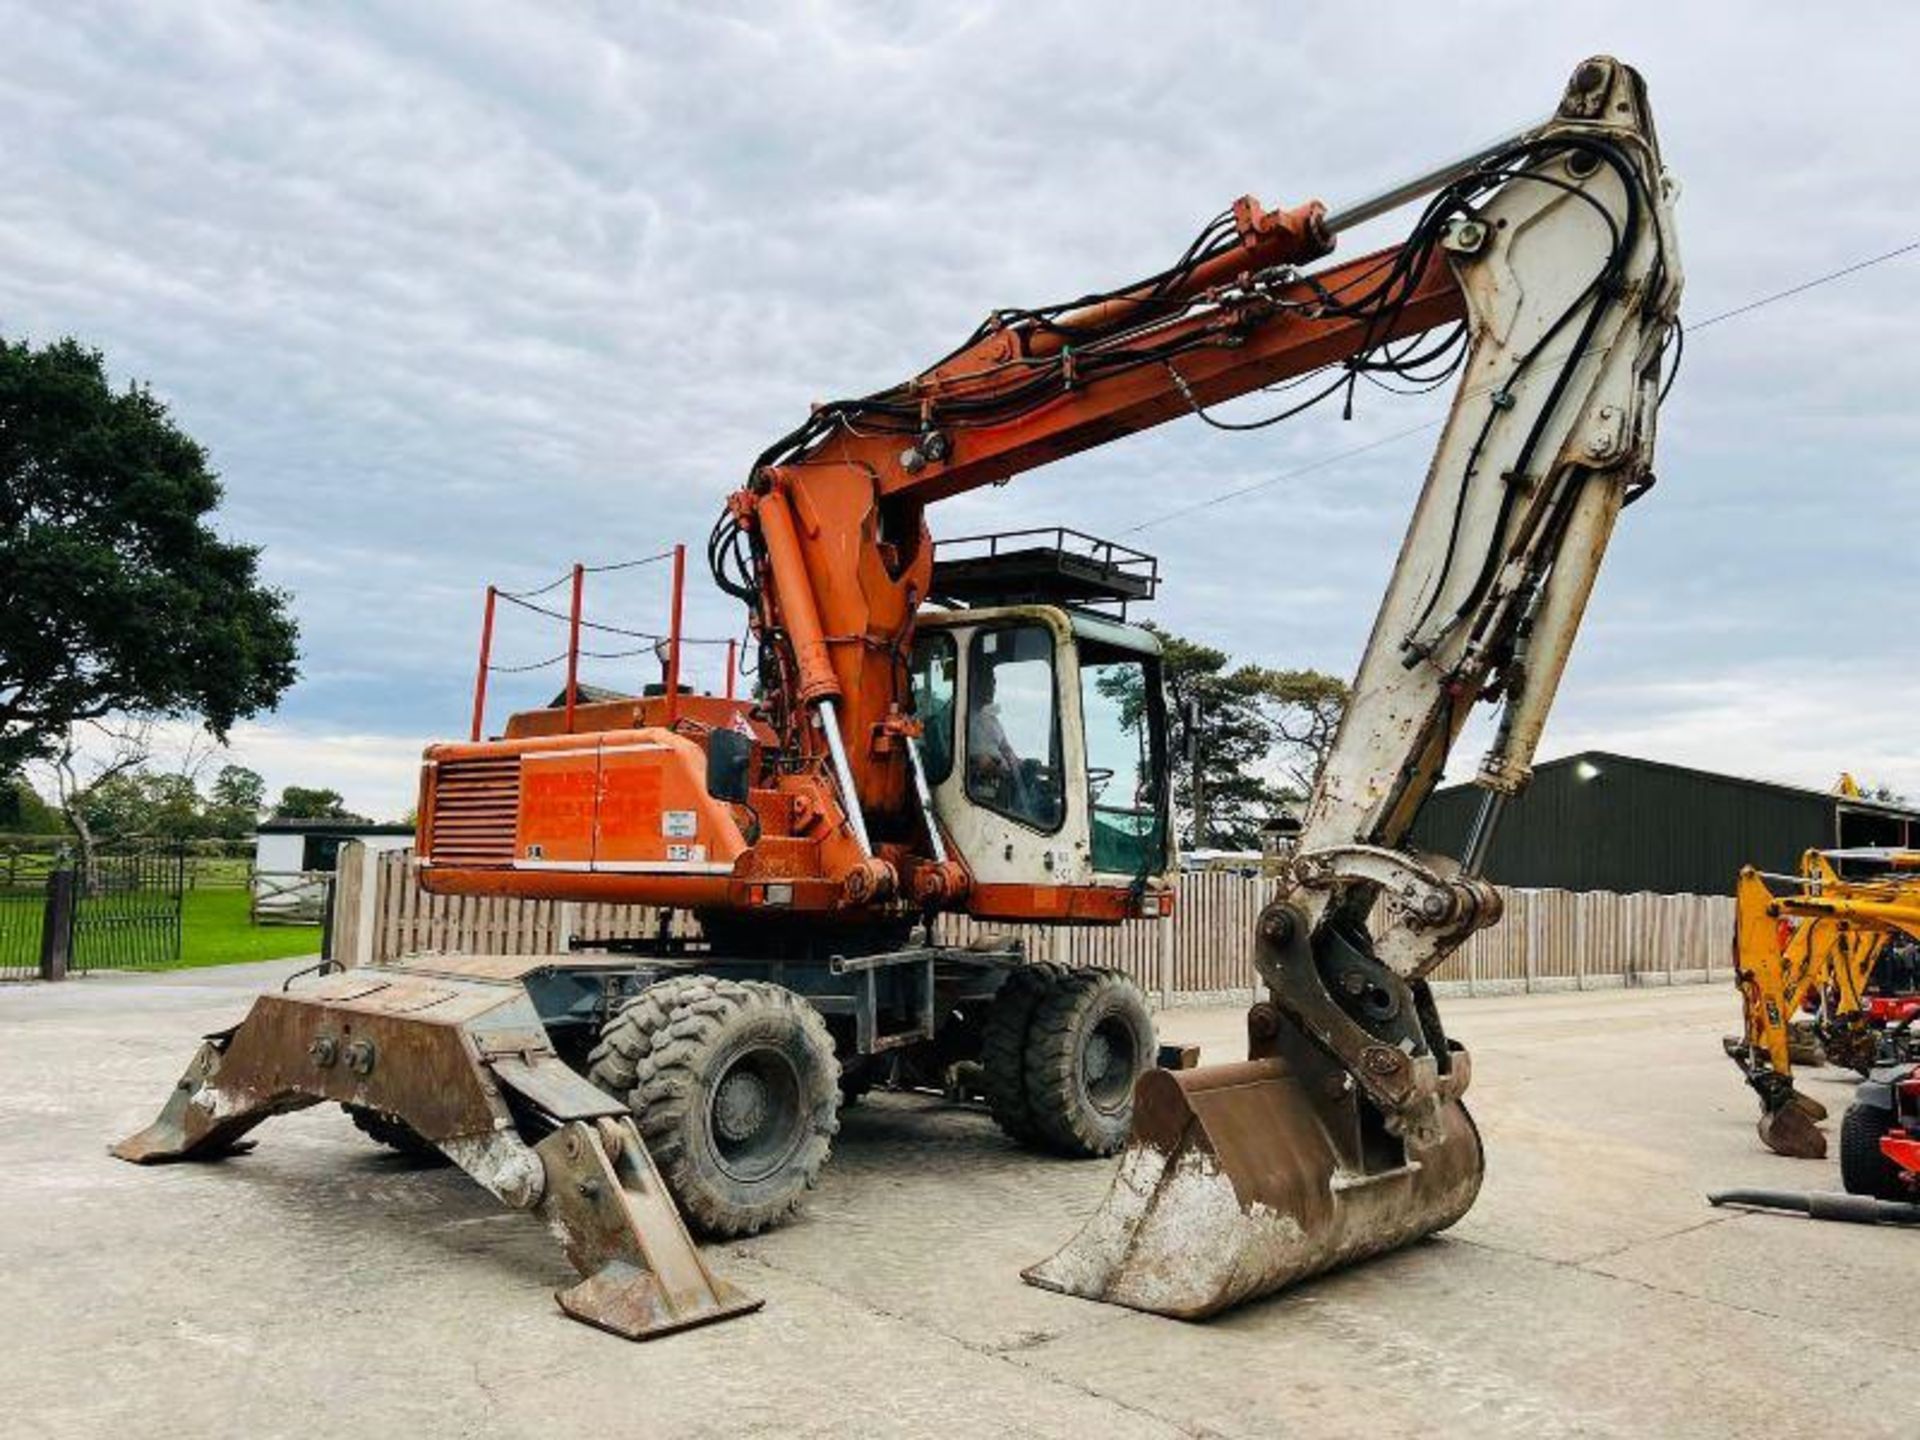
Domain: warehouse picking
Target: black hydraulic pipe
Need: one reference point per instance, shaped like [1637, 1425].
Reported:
[1823, 1205]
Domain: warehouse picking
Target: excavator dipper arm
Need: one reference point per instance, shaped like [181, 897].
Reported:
[1344, 1135]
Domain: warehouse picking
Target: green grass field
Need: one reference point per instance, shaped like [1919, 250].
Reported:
[214, 930]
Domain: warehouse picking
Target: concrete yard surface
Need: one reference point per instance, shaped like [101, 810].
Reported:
[320, 1286]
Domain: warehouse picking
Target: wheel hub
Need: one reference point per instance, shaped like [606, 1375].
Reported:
[1107, 1062]
[740, 1107]
[1099, 1057]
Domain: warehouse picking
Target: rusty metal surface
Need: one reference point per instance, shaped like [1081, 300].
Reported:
[438, 1053]
[622, 1231]
[557, 1090]
[489, 967]
[1791, 1131]
[1243, 1179]
[394, 1048]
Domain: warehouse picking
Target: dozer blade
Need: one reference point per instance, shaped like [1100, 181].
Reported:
[454, 1048]
[1241, 1179]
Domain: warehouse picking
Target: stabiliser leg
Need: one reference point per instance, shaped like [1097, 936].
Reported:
[447, 1056]
[622, 1231]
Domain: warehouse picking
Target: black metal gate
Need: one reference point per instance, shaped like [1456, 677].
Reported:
[126, 914]
[23, 900]
[122, 913]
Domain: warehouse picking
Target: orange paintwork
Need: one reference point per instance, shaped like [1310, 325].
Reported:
[1079, 904]
[705, 711]
[612, 801]
[847, 563]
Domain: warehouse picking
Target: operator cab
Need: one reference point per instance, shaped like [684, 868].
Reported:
[1045, 727]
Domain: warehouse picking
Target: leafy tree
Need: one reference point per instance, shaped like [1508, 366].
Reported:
[116, 597]
[1303, 710]
[235, 802]
[145, 804]
[299, 802]
[23, 811]
[1220, 795]
[1253, 724]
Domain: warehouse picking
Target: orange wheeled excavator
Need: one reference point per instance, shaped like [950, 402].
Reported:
[975, 731]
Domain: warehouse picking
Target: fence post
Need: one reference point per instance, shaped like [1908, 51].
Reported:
[1166, 960]
[353, 909]
[1536, 938]
[1670, 934]
[56, 925]
[326, 918]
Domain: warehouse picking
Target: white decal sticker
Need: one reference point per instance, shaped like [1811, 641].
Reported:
[679, 824]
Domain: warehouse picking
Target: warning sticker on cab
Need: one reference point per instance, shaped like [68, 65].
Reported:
[679, 824]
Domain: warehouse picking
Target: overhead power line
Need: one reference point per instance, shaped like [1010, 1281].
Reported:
[1336, 458]
[1806, 285]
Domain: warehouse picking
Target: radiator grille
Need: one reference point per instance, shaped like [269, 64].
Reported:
[476, 811]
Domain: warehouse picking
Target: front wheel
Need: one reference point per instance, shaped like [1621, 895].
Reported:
[1864, 1166]
[736, 1094]
[1090, 1039]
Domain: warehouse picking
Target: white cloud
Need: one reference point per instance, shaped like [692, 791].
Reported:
[457, 294]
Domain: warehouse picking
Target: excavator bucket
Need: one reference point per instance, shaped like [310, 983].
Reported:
[1241, 1179]
[1792, 1129]
[453, 1048]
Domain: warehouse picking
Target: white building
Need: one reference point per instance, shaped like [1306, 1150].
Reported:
[293, 858]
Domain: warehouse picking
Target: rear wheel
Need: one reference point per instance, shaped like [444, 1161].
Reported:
[1089, 1041]
[1864, 1167]
[1003, 1046]
[736, 1094]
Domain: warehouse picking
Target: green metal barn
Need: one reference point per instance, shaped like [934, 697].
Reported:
[1600, 821]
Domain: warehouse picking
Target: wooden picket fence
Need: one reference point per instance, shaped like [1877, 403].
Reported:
[1547, 939]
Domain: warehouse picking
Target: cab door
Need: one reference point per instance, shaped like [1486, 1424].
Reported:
[998, 699]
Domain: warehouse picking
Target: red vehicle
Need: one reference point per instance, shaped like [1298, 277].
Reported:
[1880, 1136]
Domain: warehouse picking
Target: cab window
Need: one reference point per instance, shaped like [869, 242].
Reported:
[1013, 726]
[935, 663]
[1119, 700]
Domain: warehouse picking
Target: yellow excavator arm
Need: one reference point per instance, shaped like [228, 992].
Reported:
[1817, 934]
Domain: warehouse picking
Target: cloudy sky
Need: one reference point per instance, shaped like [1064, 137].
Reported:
[461, 293]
